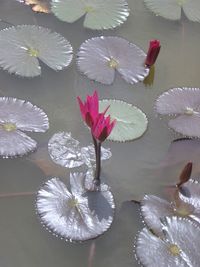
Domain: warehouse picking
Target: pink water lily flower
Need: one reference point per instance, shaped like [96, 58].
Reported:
[102, 127]
[152, 54]
[90, 108]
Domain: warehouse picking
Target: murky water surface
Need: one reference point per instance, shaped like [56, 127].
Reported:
[135, 168]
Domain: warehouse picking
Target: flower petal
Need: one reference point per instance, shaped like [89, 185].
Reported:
[100, 56]
[176, 100]
[153, 209]
[169, 9]
[65, 150]
[15, 143]
[25, 43]
[106, 14]
[24, 115]
[68, 10]
[131, 122]
[74, 217]
[192, 10]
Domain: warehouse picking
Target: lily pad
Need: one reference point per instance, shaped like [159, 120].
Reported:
[99, 15]
[131, 122]
[16, 117]
[182, 105]
[67, 152]
[25, 44]
[99, 58]
[78, 215]
[171, 9]
[178, 248]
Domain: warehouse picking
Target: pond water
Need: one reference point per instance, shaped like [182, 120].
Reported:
[136, 168]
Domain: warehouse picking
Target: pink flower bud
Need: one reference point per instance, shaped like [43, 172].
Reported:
[102, 127]
[154, 49]
[89, 109]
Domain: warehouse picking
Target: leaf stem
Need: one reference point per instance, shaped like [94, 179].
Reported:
[97, 147]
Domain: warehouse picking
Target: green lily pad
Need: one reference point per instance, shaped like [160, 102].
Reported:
[131, 121]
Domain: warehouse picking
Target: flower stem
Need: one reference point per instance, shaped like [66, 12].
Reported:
[97, 146]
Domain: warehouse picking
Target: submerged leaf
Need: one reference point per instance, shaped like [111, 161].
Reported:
[67, 152]
[131, 122]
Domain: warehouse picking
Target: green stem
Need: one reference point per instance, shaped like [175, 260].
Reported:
[97, 146]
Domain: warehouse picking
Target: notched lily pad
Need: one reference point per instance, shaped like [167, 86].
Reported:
[178, 247]
[16, 117]
[99, 15]
[171, 9]
[182, 105]
[78, 215]
[131, 122]
[100, 57]
[27, 44]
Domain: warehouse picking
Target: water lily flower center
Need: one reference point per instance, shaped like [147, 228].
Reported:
[33, 52]
[189, 111]
[9, 127]
[174, 250]
[73, 202]
[112, 63]
[181, 2]
[89, 9]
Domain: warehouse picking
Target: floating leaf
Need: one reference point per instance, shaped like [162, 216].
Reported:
[67, 152]
[17, 116]
[99, 15]
[183, 104]
[131, 121]
[179, 246]
[78, 215]
[192, 187]
[171, 9]
[100, 57]
[25, 44]
[154, 208]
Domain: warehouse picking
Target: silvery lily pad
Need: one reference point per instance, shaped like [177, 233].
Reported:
[78, 215]
[184, 105]
[100, 57]
[154, 209]
[67, 152]
[17, 116]
[178, 248]
[25, 44]
[131, 122]
[99, 15]
[190, 194]
[171, 9]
